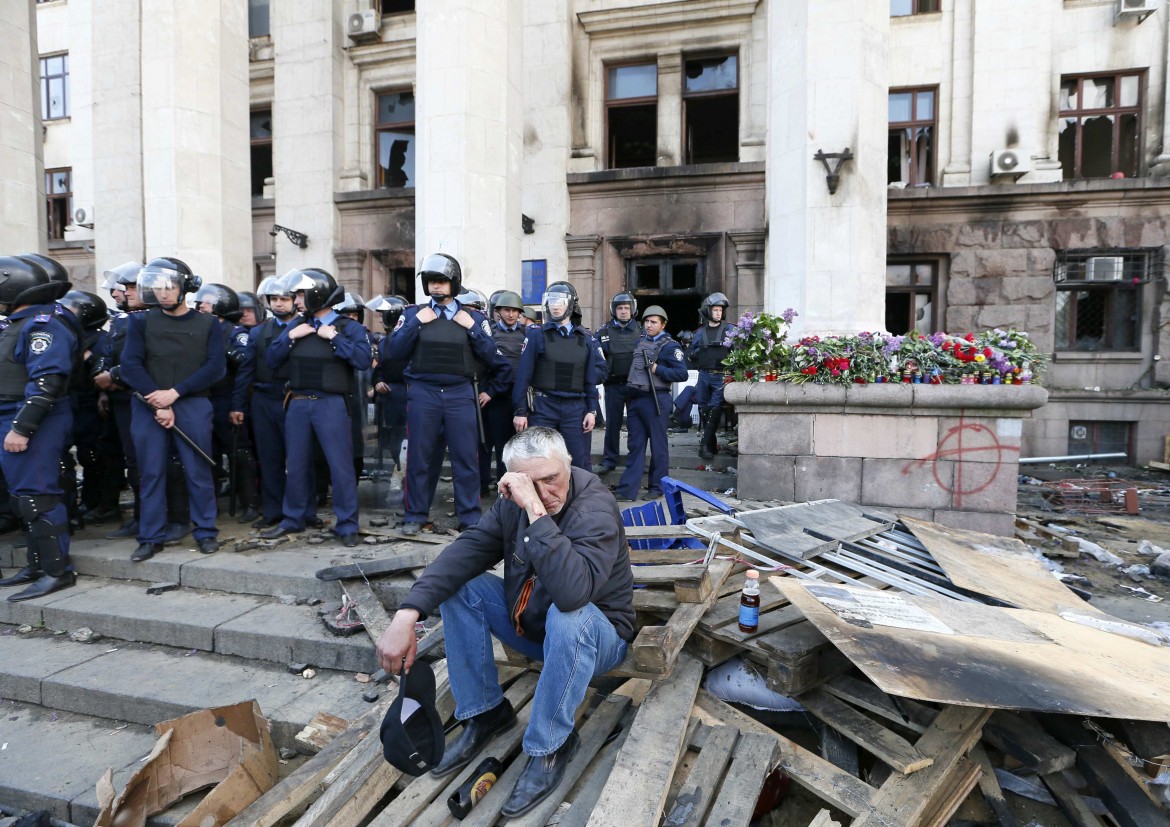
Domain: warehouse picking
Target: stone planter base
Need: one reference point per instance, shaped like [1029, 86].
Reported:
[948, 453]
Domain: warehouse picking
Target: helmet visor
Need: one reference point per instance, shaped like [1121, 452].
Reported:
[120, 276]
[160, 286]
[296, 281]
[273, 286]
[557, 304]
[378, 303]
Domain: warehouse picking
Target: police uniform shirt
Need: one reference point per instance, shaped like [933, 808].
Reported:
[533, 349]
[351, 344]
[605, 337]
[707, 346]
[46, 347]
[246, 374]
[402, 341]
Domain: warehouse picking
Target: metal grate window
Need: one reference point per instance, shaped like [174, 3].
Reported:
[1098, 298]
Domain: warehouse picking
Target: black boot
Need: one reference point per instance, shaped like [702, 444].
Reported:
[46, 584]
[540, 777]
[476, 733]
[707, 446]
[45, 546]
[248, 495]
[28, 574]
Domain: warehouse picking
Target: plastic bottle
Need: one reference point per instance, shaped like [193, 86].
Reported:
[749, 603]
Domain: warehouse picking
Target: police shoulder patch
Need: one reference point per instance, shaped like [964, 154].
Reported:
[42, 317]
[401, 321]
[39, 341]
[678, 354]
[524, 344]
[487, 328]
[242, 339]
[600, 352]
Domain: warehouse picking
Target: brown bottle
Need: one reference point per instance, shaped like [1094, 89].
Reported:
[749, 603]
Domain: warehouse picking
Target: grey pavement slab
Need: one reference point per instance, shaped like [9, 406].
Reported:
[111, 558]
[27, 659]
[147, 684]
[293, 634]
[49, 758]
[32, 611]
[181, 618]
[287, 569]
[9, 555]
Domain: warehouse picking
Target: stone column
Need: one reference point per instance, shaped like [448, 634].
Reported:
[582, 270]
[470, 136]
[351, 271]
[118, 195]
[957, 172]
[22, 168]
[195, 151]
[308, 127]
[1160, 168]
[670, 109]
[746, 290]
[828, 91]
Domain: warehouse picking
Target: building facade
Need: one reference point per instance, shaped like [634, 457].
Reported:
[1008, 164]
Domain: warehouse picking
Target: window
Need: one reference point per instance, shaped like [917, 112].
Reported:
[910, 297]
[905, 8]
[1098, 299]
[1087, 437]
[59, 200]
[533, 280]
[55, 87]
[394, 139]
[711, 110]
[912, 121]
[397, 6]
[258, 20]
[260, 131]
[631, 99]
[1100, 126]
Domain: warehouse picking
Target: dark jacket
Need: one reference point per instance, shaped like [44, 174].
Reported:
[578, 557]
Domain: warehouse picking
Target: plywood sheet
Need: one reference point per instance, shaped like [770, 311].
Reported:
[804, 530]
[993, 657]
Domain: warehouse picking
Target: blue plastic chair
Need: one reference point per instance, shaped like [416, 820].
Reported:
[652, 514]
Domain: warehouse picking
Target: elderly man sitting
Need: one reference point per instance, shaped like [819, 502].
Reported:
[566, 598]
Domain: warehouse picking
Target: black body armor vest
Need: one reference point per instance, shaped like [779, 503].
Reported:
[13, 375]
[622, 341]
[712, 351]
[443, 347]
[264, 374]
[562, 368]
[313, 366]
[510, 343]
[176, 347]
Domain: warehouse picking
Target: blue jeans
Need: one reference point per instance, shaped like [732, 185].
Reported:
[578, 646]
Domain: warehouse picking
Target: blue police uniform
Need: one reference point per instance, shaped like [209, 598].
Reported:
[497, 413]
[320, 378]
[110, 353]
[391, 407]
[441, 412]
[618, 340]
[37, 349]
[647, 419]
[184, 353]
[707, 353]
[563, 383]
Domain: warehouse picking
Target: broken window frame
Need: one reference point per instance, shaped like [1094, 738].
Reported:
[915, 176]
[58, 203]
[614, 103]
[1072, 277]
[1094, 438]
[915, 7]
[259, 144]
[386, 127]
[708, 95]
[910, 293]
[47, 79]
[1116, 112]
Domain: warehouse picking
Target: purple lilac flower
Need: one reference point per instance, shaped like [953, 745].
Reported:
[788, 315]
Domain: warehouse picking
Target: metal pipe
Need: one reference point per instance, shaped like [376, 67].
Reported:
[1070, 458]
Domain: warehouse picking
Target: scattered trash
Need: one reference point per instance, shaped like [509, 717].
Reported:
[1149, 549]
[1096, 551]
[287, 753]
[24, 628]
[370, 541]
[288, 600]
[738, 681]
[379, 522]
[160, 588]
[315, 541]
[1161, 566]
[84, 635]
[297, 668]
[361, 677]
[1143, 594]
[1137, 572]
[312, 673]
[370, 695]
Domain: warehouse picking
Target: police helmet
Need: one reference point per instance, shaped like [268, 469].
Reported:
[319, 287]
[685, 338]
[351, 303]
[250, 301]
[166, 273]
[559, 301]
[714, 300]
[58, 275]
[508, 299]
[88, 307]
[441, 267]
[224, 301]
[274, 286]
[655, 310]
[118, 278]
[470, 297]
[389, 307]
[21, 282]
[623, 298]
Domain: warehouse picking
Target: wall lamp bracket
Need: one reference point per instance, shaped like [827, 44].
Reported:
[833, 173]
[299, 239]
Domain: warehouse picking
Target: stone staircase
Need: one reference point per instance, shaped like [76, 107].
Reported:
[70, 710]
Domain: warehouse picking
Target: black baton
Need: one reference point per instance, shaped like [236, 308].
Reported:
[478, 411]
[234, 471]
[179, 433]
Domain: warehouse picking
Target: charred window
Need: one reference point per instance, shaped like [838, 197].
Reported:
[1089, 437]
[912, 126]
[397, 6]
[1100, 126]
[711, 110]
[58, 198]
[905, 8]
[911, 287]
[631, 98]
[1098, 299]
[394, 139]
[260, 132]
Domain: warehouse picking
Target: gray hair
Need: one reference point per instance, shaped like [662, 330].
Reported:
[536, 442]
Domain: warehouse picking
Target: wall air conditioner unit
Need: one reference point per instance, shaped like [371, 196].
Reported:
[365, 26]
[1104, 268]
[1141, 9]
[83, 217]
[1011, 163]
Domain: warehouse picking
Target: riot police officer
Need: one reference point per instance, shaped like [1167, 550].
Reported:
[173, 356]
[390, 381]
[252, 310]
[445, 345]
[354, 307]
[322, 349]
[707, 353]
[37, 349]
[658, 361]
[618, 338]
[509, 332]
[560, 367]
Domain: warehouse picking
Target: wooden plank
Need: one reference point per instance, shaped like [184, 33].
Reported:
[697, 792]
[992, 792]
[805, 530]
[398, 536]
[637, 787]
[662, 575]
[847, 793]
[865, 732]
[1017, 734]
[321, 729]
[362, 569]
[1071, 804]
[666, 556]
[643, 532]
[593, 783]
[902, 711]
[950, 793]
[1148, 740]
[755, 758]
[777, 619]
[824, 819]
[656, 648]
[794, 678]
[369, 607]
[695, 587]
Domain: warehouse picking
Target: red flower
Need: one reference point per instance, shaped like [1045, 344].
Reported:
[987, 352]
[809, 371]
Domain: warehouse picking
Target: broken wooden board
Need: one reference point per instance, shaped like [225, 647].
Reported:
[380, 567]
[697, 792]
[368, 606]
[867, 733]
[805, 530]
[656, 648]
[999, 567]
[320, 730]
[931, 648]
[1018, 735]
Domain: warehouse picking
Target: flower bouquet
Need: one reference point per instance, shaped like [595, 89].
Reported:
[757, 346]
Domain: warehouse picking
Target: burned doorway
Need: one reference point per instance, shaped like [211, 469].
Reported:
[674, 283]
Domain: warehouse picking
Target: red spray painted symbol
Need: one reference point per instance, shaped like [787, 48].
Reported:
[977, 453]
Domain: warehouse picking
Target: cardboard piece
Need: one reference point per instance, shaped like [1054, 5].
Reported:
[227, 747]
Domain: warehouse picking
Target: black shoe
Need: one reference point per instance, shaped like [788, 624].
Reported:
[604, 469]
[145, 551]
[622, 498]
[278, 531]
[175, 532]
[26, 575]
[249, 515]
[476, 733]
[314, 522]
[411, 529]
[539, 778]
[47, 584]
[704, 453]
[264, 522]
[465, 527]
[349, 540]
[208, 545]
[127, 529]
[653, 494]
